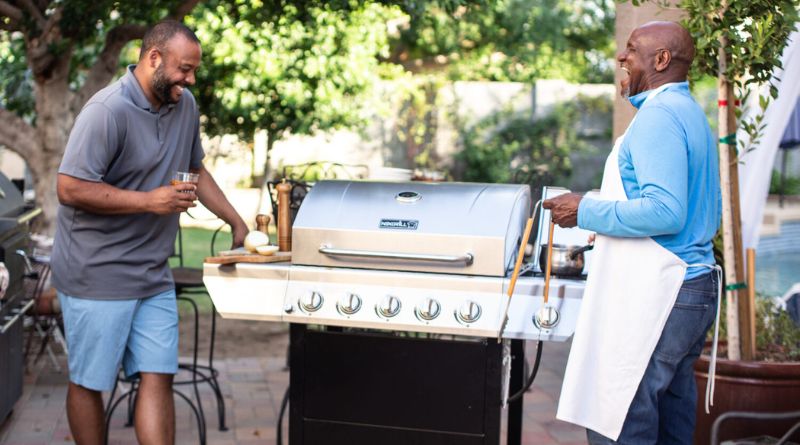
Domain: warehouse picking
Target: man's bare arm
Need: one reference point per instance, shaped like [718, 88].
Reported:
[212, 197]
[102, 198]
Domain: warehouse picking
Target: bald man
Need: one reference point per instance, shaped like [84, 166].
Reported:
[651, 295]
[116, 229]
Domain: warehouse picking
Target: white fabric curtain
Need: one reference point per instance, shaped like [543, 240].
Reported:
[756, 168]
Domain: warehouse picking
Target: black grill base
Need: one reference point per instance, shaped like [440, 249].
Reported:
[372, 388]
[11, 367]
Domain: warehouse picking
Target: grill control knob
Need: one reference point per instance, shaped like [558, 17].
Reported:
[469, 312]
[546, 317]
[310, 302]
[428, 309]
[349, 304]
[388, 307]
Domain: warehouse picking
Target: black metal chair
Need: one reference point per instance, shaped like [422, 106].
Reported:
[189, 281]
[732, 415]
[44, 318]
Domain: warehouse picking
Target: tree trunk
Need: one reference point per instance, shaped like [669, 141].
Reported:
[738, 347]
[271, 136]
[54, 118]
[45, 173]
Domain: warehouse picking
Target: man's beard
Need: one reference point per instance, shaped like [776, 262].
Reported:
[162, 86]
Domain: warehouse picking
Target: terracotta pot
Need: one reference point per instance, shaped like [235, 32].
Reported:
[747, 386]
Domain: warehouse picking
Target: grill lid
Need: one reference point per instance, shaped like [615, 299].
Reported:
[461, 228]
[11, 203]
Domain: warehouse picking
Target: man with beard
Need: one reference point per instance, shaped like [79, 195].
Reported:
[116, 229]
[651, 294]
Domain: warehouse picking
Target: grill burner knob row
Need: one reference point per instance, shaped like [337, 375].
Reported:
[468, 312]
[388, 307]
[428, 310]
[349, 304]
[311, 302]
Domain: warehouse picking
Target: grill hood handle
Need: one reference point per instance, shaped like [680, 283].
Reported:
[466, 258]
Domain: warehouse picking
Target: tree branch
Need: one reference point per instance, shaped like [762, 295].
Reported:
[51, 22]
[183, 9]
[16, 134]
[105, 67]
[40, 58]
[34, 12]
[8, 10]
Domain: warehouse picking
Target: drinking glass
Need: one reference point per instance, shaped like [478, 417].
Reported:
[184, 178]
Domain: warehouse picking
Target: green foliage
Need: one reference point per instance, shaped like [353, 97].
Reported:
[777, 336]
[297, 74]
[16, 85]
[83, 29]
[77, 16]
[513, 40]
[704, 90]
[790, 186]
[415, 102]
[755, 33]
[316, 171]
[511, 146]
[325, 48]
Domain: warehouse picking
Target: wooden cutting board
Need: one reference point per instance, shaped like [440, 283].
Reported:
[250, 258]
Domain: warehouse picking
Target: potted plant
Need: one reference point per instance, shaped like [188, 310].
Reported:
[770, 383]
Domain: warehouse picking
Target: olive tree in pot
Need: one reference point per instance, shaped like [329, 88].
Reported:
[770, 383]
[740, 43]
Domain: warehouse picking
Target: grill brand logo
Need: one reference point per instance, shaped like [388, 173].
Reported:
[402, 224]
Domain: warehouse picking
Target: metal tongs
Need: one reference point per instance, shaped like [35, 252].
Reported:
[526, 235]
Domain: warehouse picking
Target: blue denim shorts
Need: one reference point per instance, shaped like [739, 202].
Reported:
[141, 334]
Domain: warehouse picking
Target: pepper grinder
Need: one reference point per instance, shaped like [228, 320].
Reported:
[262, 221]
[284, 219]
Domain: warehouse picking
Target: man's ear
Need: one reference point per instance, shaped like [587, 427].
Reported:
[662, 60]
[154, 58]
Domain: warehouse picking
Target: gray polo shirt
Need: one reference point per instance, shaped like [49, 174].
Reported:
[119, 139]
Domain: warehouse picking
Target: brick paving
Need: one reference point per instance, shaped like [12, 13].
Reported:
[253, 388]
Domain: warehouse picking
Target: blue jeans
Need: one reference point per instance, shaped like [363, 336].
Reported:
[663, 409]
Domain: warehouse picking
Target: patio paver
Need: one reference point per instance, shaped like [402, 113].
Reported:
[253, 388]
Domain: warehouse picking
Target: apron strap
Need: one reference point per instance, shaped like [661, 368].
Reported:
[712, 366]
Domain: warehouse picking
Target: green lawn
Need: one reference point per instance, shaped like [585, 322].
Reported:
[197, 246]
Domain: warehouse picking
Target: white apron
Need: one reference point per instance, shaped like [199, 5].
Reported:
[631, 288]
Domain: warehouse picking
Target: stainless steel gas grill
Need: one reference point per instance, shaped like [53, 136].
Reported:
[421, 257]
[374, 260]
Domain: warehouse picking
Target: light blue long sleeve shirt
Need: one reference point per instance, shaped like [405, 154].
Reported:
[669, 169]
